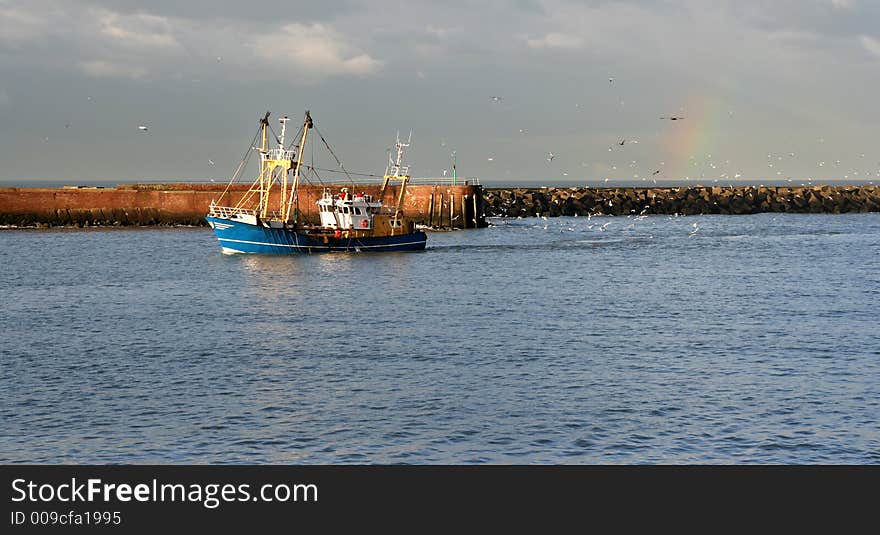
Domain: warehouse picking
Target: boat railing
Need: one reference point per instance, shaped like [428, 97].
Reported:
[278, 154]
[397, 170]
[227, 212]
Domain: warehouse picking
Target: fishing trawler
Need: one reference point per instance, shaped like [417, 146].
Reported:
[267, 218]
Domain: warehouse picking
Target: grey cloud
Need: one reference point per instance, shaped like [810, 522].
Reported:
[266, 11]
[140, 44]
[789, 69]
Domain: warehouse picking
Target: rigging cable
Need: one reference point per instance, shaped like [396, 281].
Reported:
[344, 171]
[244, 159]
[277, 139]
[334, 156]
[296, 138]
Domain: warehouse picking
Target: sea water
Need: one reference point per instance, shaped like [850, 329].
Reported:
[662, 339]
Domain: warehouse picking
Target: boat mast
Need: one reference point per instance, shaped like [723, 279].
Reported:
[259, 185]
[397, 171]
[307, 124]
[264, 193]
[274, 165]
[283, 122]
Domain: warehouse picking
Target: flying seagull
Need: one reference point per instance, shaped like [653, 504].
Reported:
[550, 156]
[142, 128]
[496, 99]
[210, 161]
[673, 118]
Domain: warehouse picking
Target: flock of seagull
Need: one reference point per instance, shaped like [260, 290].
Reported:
[693, 161]
[771, 165]
[497, 99]
[694, 229]
[634, 219]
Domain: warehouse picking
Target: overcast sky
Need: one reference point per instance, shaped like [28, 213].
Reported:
[790, 84]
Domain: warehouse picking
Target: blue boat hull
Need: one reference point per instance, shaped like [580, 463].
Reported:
[239, 237]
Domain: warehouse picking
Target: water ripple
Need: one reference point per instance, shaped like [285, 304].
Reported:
[559, 341]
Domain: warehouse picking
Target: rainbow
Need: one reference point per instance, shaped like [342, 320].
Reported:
[695, 136]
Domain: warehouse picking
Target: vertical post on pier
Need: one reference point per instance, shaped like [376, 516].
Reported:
[451, 209]
[440, 211]
[476, 225]
[431, 209]
[463, 209]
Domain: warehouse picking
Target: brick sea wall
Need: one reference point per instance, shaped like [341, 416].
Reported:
[186, 204]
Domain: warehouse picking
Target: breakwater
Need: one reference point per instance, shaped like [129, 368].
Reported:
[527, 202]
[458, 206]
